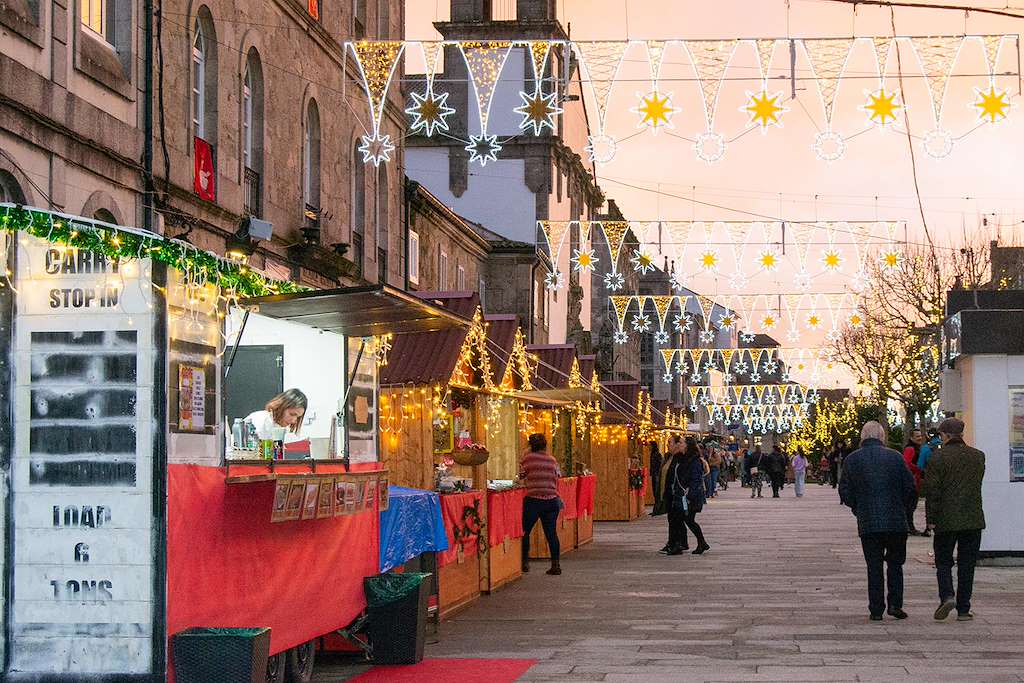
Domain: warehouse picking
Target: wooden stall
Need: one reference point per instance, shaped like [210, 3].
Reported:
[614, 452]
[566, 523]
[459, 567]
[505, 538]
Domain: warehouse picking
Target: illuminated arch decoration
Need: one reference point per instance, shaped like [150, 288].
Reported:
[377, 62]
[485, 61]
[937, 55]
[828, 58]
[602, 60]
[710, 60]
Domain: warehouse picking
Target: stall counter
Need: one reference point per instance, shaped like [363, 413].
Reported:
[586, 493]
[505, 537]
[459, 566]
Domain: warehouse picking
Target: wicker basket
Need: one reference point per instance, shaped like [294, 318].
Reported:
[470, 457]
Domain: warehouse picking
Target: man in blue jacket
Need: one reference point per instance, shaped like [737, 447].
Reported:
[877, 486]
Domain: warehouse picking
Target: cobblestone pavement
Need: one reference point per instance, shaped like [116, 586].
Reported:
[781, 596]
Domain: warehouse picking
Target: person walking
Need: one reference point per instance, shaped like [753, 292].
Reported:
[910, 455]
[685, 486]
[833, 464]
[799, 473]
[927, 450]
[823, 469]
[754, 465]
[714, 469]
[953, 507]
[539, 471]
[655, 463]
[673, 493]
[876, 485]
[776, 466]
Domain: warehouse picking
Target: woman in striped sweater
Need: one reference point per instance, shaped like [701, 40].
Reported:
[539, 471]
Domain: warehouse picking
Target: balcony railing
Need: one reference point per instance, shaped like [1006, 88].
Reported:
[253, 201]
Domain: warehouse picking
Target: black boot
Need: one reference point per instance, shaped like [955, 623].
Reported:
[526, 564]
[556, 568]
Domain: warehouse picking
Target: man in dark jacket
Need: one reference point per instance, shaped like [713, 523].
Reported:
[877, 486]
[776, 466]
[952, 489]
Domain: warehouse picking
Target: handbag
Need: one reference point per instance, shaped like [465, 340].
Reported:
[679, 501]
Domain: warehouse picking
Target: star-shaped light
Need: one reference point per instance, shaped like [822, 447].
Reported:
[667, 378]
[785, 376]
[429, 111]
[376, 148]
[707, 336]
[620, 337]
[709, 260]
[769, 398]
[890, 258]
[614, 281]
[992, 105]
[554, 280]
[882, 106]
[661, 337]
[679, 280]
[682, 322]
[655, 110]
[728, 377]
[583, 260]
[764, 109]
[726, 321]
[768, 322]
[755, 377]
[681, 368]
[738, 281]
[770, 367]
[855, 320]
[832, 259]
[694, 378]
[641, 323]
[768, 259]
[749, 399]
[483, 148]
[538, 111]
[600, 148]
[740, 367]
[746, 337]
[708, 366]
[813, 321]
[643, 262]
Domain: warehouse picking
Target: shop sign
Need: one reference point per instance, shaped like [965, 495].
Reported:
[82, 598]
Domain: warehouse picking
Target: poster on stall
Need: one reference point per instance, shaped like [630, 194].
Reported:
[191, 398]
[361, 408]
[1017, 433]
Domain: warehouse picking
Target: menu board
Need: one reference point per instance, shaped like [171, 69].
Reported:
[1017, 433]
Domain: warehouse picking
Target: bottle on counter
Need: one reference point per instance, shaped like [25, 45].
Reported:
[237, 434]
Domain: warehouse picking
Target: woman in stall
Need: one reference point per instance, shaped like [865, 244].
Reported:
[285, 411]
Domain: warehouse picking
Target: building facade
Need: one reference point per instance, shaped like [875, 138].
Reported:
[445, 253]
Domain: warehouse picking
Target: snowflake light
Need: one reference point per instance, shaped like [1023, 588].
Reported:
[683, 322]
[483, 148]
[829, 146]
[554, 280]
[538, 111]
[747, 337]
[770, 367]
[643, 262]
[832, 259]
[938, 143]
[667, 378]
[769, 259]
[740, 367]
[655, 110]
[680, 281]
[614, 281]
[600, 148]
[709, 147]
[620, 337]
[429, 112]
[695, 377]
[376, 148]
[641, 323]
[769, 399]
[785, 376]
[707, 336]
[709, 260]
[728, 378]
[755, 377]
[583, 260]
[661, 337]
[738, 282]
[749, 399]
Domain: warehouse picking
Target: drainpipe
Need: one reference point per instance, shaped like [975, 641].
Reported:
[147, 115]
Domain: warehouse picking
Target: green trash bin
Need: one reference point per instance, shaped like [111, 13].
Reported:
[221, 655]
[397, 616]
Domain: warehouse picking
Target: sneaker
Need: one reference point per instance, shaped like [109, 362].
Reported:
[876, 617]
[897, 613]
[675, 551]
[966, 616]
[944, 609]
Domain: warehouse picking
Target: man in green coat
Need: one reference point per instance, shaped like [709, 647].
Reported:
[952, 490]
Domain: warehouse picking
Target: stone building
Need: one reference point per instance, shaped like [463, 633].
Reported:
[536, 177]
[445, 253]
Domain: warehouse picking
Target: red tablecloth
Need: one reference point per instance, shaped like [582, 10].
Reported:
[567, 492]
[228, 565]
[453, 506]
[504, 515]
[647, 481]
[586, 492]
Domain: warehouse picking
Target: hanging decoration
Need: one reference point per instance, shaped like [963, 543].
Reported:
[937, 55]
[993, 105]
[602, 60]
[828, 59]
[485, 61]
[710, 60]
[615, 235]
[539, 51]
[430, 110]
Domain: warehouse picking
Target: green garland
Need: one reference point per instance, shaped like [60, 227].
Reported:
[126, 244]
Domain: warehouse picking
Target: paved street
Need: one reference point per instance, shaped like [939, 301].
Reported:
[780, 597]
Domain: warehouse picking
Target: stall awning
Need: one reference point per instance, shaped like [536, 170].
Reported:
[430, 357]
[358, 311]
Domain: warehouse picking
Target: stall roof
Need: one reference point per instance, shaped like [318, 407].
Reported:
[555, 364]
[501, 338]
[587, 367]
[625, 395]
[360, 311]
[430, 357]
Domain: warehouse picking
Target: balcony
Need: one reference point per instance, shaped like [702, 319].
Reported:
[252, 190]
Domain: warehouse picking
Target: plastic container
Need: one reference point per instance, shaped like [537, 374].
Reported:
[397, 610]
[221, 655]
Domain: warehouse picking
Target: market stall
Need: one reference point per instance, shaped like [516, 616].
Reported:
[566, 525]
[459, 567]
[504, 537]
[586, 493]
[615, 455]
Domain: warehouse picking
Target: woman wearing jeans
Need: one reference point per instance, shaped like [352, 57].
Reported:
[799, 473]
[538, 470]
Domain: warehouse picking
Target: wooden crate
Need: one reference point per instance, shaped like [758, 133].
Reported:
[566, 538]
[459, 584]
[584, 529]
[505, 561]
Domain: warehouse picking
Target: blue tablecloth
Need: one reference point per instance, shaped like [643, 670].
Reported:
[411, 525]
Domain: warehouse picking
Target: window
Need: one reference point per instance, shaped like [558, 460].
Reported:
[199, 82]
[94, 16]
[10, 189]
[460, 278]
[381, 224]
[383, 20]
[481, 292]
[247, 118]
[414, 257]
[252, 134]
[311, 159]
[358, 207]
[442, 271]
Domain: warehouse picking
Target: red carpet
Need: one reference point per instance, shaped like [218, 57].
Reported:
[461, 670]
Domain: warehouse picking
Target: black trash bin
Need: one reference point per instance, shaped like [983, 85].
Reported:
[397, 611]
[221, 655]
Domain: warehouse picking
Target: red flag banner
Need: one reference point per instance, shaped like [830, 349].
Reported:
[204, 179]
